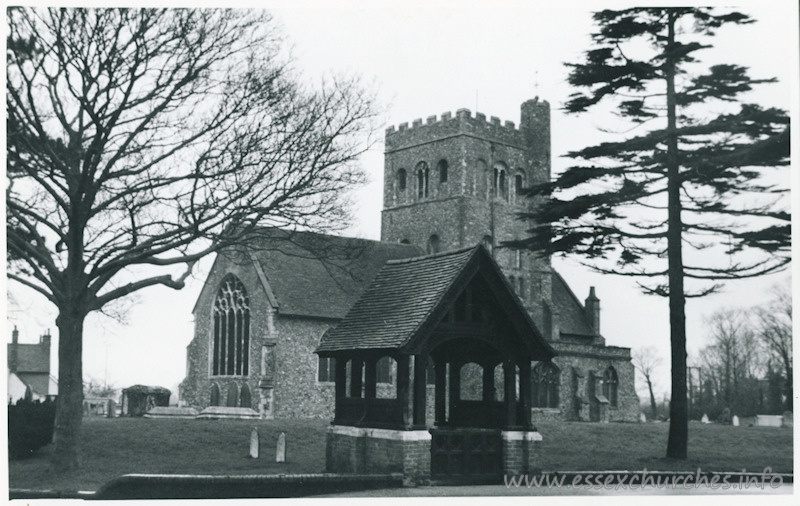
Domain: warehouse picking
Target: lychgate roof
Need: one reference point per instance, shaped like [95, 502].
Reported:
[405, 296]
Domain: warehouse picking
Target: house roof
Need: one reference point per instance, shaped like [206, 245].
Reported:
[321, 275]
[33, 358]
[406, 294]
[571, 316]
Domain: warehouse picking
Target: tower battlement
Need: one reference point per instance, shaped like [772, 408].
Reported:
[463, 121]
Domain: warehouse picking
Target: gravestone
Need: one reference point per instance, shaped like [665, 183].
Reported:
[642, 417]
[704, 419]
[280, 453]
[735, 421]
[254, 443]
[111, 409]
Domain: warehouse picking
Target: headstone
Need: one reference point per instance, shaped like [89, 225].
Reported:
[254, 443]
[735, 421]
[280, 454]
[704, 419]
[111, 410]
[642, 417]
[788, 421]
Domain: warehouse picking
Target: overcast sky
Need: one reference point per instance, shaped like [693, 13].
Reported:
[426, 58]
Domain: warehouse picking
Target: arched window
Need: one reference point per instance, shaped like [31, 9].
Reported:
[488, 243]
[610, 385]
[519, 183]
[401, 180]
[442, 168]
[481, 178]
[245, 399]
[231, 329]
[500, 184]
[422, 180]
[544, 385]
[232, 397]
[433, 244]
[214, 395]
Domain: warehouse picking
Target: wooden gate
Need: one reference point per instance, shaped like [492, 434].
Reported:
[466, 454]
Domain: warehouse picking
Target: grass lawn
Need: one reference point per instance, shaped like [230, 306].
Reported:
[112, 447]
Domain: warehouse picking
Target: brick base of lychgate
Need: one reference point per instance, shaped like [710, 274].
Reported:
[520, 451]
[364, 450]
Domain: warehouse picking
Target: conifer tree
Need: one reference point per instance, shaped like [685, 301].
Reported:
[688, 186]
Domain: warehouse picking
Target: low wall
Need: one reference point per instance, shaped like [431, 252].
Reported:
[361, 450]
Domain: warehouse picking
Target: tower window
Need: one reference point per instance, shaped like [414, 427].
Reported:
[500, 183]
[433, 244]
[401, 180]
[231, 339]
[422, 180]
[519, 181]
[442, 166]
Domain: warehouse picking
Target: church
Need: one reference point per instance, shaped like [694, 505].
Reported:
[451, 183]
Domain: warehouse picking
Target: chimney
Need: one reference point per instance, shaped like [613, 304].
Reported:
[12, 350]
[592, 309]
[45, 338]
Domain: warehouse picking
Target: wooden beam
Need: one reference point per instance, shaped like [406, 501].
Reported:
[355, 377]
[420, 388]
[403, 391]
[525, 392]
[510, 390]
[440, 368]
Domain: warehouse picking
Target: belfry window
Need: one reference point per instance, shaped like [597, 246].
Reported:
[442, 168]
[231, 338]
[610, 386]
[401, 180]
[544, 385]
[422, 180]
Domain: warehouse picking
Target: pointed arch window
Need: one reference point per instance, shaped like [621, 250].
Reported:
[231, 337]
[610, 385]
[545, 380]
[401, 180]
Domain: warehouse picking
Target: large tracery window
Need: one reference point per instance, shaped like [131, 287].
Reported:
[231, 329]
[544, 383]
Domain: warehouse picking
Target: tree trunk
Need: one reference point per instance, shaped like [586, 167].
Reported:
[69, 407]
[653, 406]
[678, 410]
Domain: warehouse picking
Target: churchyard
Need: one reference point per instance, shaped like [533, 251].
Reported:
[113, 447]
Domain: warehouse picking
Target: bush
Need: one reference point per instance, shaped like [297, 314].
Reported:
[30, 427]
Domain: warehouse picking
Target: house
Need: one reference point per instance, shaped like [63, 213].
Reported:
[29, 369]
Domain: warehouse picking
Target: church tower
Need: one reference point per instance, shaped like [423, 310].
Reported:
[454, 182]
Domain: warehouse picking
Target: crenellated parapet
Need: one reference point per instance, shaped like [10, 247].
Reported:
[463, 121]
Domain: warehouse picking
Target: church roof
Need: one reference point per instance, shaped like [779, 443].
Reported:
[318, 275]
[407, 295]
[571, 316]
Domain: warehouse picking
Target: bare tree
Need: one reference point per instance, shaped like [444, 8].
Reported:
[733, 357]
[142, 140]
[774, 330]
[647, 360]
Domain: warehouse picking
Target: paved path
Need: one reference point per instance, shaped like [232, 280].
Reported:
[567, 490]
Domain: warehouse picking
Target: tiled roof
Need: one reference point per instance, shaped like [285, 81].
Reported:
[402, 298]
[571, 317]
[33, 358]
[322, 275]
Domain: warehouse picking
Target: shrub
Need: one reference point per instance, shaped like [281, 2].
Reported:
[30, 427]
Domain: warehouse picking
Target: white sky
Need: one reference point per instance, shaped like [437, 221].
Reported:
[426, 58]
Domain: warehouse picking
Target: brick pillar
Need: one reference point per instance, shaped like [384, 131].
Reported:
[520, 451]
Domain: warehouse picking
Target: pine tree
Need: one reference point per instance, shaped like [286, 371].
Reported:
[690, 175]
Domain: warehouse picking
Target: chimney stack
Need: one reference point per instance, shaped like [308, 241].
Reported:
[12, 350]
[592, 309]
[45, 338]
[15, 335]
